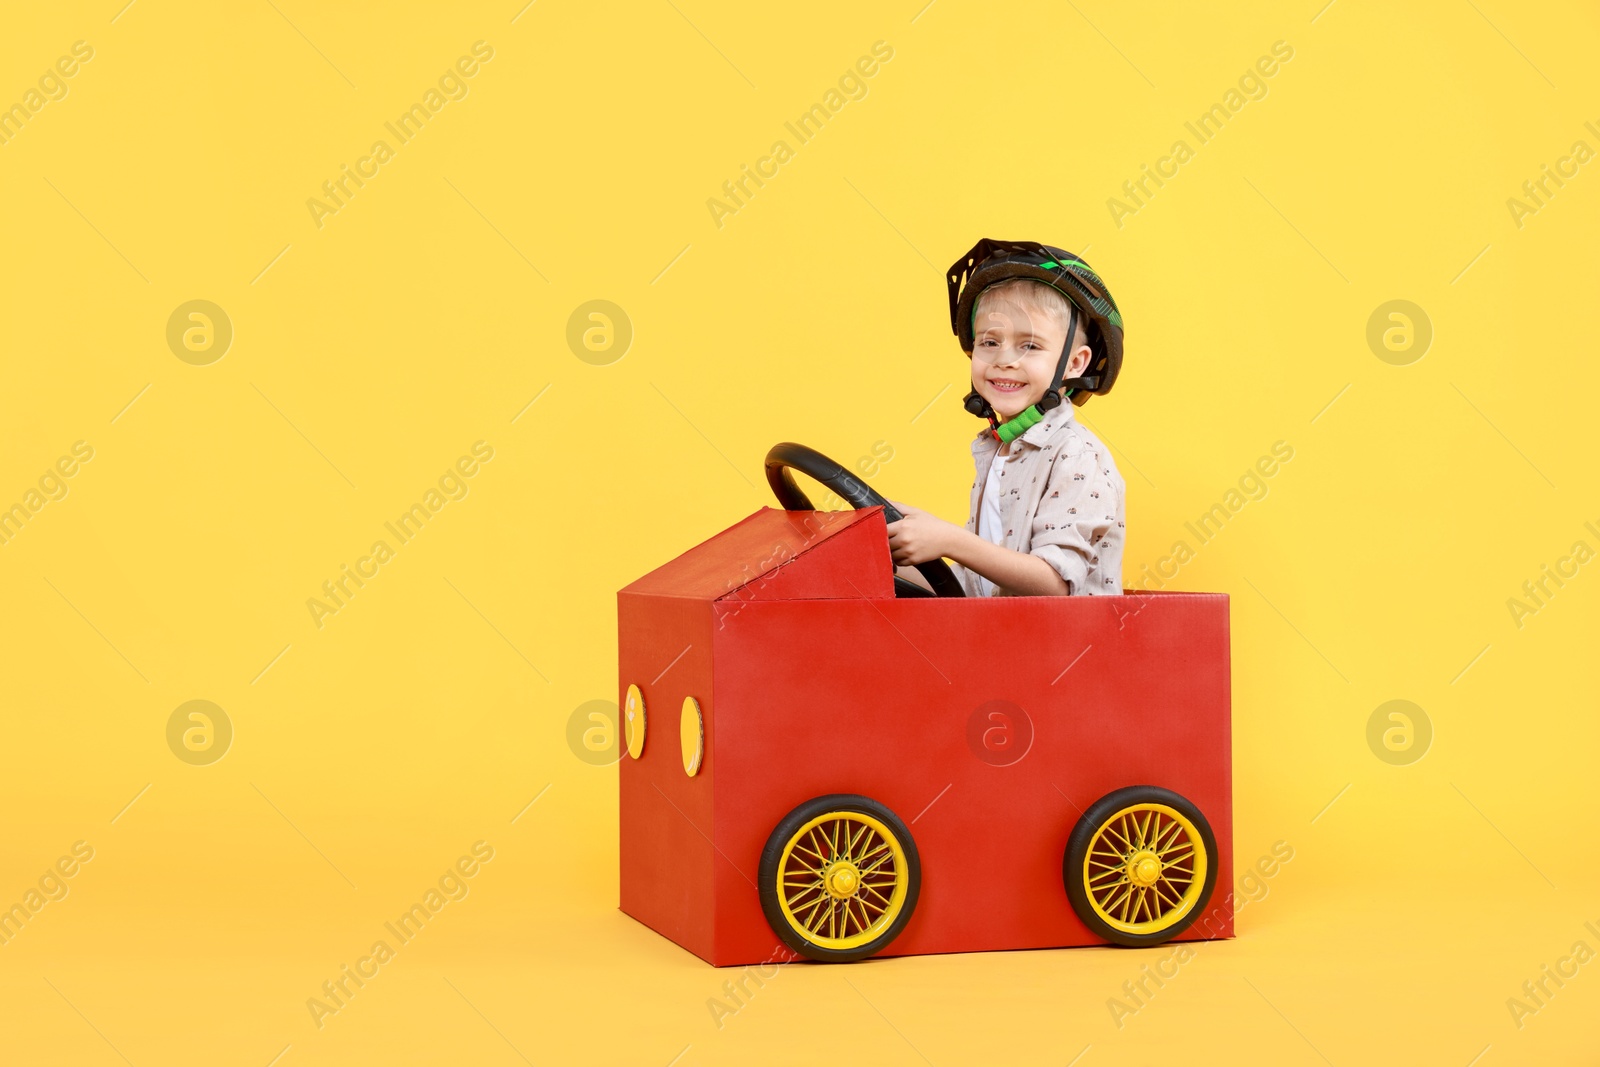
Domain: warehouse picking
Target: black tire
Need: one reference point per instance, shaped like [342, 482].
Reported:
[1192, 890]
[801, 926]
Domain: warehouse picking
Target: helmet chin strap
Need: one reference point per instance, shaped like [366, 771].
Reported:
[1018, 424]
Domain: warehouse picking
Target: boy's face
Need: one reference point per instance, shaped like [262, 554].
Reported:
[1014, 352]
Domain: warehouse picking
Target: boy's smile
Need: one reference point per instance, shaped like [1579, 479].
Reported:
[1015, 348]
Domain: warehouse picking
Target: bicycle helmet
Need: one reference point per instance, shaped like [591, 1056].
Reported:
[992, 261]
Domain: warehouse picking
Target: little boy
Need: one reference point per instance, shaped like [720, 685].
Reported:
[1047, 509]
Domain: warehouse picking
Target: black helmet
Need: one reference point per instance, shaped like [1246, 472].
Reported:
[991, 261]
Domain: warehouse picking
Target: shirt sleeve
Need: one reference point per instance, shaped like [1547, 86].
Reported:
[1078, 528]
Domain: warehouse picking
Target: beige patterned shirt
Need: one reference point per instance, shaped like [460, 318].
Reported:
[1061, 499]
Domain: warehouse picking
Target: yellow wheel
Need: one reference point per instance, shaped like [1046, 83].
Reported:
[1140, 865]
[839, 878]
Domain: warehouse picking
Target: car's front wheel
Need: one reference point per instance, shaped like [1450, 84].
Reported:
[839, 878]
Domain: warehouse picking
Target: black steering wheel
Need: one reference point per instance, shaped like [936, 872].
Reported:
[855, 492]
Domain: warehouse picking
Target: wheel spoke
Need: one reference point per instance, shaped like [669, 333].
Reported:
[1127, 903]
[811, 920]
[877, 864]
[1113, 899]
[879, 847]
[1180, 841]
[864, 832]
[799, 901]
[1178, 901]
[878, 890]
[820, 857]
[1107, 858]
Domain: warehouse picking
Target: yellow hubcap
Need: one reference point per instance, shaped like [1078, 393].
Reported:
[843, 879]
[1145, 868]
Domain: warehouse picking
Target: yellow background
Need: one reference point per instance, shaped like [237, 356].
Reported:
[370, 353]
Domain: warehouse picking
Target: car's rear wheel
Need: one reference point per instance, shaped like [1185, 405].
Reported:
[839, 878]
[1140, 865]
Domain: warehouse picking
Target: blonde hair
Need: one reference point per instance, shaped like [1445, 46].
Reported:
[1037, 296]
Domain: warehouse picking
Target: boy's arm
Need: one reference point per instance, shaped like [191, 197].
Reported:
[1077, 527]
[920, 535]
[1025, 574]
[911, 574]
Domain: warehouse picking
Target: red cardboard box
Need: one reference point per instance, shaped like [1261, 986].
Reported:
[813, 678]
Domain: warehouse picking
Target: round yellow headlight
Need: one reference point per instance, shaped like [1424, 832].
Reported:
[633, 721]
[691, 734]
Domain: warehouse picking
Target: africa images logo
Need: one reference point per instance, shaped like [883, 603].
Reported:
[452, 85]
[452, 485]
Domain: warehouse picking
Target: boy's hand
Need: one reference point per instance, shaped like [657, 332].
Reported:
[918, 537]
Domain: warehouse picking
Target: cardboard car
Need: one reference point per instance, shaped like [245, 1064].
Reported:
[821, 751]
